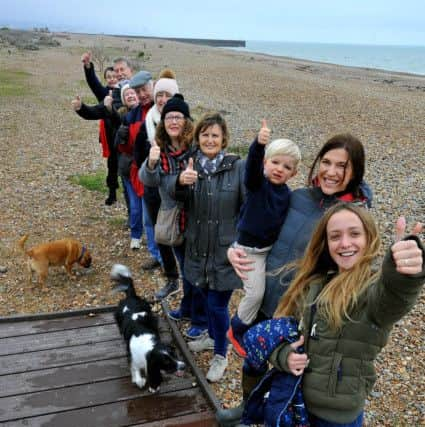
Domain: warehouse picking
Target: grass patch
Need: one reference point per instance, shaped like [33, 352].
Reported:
[117, 221]
[92, 182]
[14, 83]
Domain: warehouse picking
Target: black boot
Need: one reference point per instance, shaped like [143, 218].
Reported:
[112, 198]
[232, 417]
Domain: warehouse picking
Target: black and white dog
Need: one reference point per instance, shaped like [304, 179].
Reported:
[138, 325]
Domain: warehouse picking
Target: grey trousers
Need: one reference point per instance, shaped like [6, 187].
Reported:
[254, 285]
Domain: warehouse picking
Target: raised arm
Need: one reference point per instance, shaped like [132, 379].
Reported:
[93, 82]
[401, 280]
[255, 159]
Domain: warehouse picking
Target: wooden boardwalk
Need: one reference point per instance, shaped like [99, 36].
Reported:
[71, 369]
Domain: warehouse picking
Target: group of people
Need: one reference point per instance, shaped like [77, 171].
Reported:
[313, 307]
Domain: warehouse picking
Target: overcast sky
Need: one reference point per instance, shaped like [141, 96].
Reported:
[329, 21]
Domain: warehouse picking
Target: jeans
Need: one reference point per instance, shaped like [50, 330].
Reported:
[192, 304]
[150, 235]
[218, 318]
[319, 422]
[136, 210]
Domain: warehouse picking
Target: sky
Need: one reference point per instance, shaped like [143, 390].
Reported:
[391, 22]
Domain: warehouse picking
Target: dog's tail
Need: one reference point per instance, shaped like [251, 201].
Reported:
[121, 275]
[21, 243]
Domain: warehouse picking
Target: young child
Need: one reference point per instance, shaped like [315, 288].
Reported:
[268, 168]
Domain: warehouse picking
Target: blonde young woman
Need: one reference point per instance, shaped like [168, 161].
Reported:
[346, 311]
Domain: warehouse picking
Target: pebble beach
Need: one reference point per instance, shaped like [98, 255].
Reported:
[43, 143]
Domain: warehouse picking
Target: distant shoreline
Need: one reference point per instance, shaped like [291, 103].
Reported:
[204, 42]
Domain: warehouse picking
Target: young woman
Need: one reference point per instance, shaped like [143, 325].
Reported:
[345, 311]
[168, 156]
[213, 187]
[335, 175]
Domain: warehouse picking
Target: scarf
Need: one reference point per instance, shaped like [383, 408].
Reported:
[209, 166]
[172, 162]
[103, 139]
[344, 196]
[152, 119]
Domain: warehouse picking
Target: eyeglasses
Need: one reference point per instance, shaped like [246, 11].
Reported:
[177, 119]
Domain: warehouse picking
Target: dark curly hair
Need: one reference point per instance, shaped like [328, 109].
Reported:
[185, 139]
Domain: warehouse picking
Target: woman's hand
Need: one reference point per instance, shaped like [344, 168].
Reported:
[407, 255]
[297, 362]
[189, 176]
[154, 154]
[76, 103]
[240, 263]
[264, 134]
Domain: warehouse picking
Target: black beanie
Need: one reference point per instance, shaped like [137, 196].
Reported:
[176, 103]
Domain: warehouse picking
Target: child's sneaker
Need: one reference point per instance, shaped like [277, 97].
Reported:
[237, 346]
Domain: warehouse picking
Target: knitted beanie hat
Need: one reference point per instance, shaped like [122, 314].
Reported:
[176, 103]
[123, 89]
[165, 85]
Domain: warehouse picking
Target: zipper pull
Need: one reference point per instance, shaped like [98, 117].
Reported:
[313, 332]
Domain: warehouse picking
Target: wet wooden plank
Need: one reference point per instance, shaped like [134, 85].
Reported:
[63, 376]
[58, 339]
[168, 402]
[51, 340]
[176, 407]
[204, 419]
[13, 329]
[52, 358]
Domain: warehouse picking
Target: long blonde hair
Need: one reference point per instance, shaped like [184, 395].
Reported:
[341, 293]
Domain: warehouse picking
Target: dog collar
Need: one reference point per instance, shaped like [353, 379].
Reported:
[83, 251]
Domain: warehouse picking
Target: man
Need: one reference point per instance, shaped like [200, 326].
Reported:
[121, 73]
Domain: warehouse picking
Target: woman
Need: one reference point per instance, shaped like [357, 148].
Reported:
[168, 155]
[132, 116]
[345, 311]
[335, 175]
[164, 89]
[213, 187]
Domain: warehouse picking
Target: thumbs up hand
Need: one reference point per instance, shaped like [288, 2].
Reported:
[107, 101]
[154, 154]
[76, 103]
[264, 133]
[189, 176]
[406, 253]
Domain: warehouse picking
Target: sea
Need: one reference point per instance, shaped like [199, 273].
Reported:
[405, 59]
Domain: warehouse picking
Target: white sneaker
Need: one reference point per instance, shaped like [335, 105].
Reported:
[201, 344]
[217, 368]
[135, 244]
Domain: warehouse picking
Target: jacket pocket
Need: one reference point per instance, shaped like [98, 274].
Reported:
[335, 374]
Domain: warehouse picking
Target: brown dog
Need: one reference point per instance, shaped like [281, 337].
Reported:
[64, 252]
